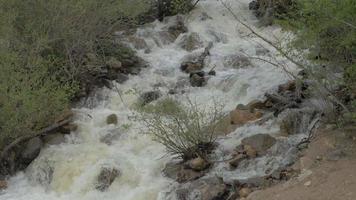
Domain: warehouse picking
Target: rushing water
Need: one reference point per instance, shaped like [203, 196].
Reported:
[68, 171]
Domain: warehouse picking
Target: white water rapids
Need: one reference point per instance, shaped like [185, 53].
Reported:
[74, 166]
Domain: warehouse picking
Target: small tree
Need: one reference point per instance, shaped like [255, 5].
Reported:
[187, 131]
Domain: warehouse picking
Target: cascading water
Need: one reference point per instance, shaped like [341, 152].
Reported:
[69, 170]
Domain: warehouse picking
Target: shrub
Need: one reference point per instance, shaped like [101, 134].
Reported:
[48, 49]
[186, 131]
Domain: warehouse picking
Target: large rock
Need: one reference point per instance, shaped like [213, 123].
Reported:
[260, 142]
[31, 151]
[3, 184]
[234, 162]
[203, 189]
[111, 119]
[237, 61]
[191, 42]
[197, 79]
[148, 97]
[244, 192]
[106, 178]
[171, 169]
[198, 164]
[241, 116]
[186, 175]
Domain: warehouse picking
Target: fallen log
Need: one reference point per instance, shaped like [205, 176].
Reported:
[44, 131]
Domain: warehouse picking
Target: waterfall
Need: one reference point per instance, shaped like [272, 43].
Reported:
[69, 170]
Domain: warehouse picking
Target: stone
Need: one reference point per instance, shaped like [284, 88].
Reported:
[112, 119]
[203, 189]
[237, 160]
[191, 67]
[254, 5]
[32, 150]
[241, 116]
[113, 63]
[138, 42]
[191, 42]
[68, 128]
[250, 152]
[54, 139]
[171, 169]
[212, 73]
[121, 78]
[3, 184]
[244, 192]
[185, 175]
[197, 79]
[260, 142]
[105, 178]
[256, 104]
[237, 61]
[148, 97]
[198, 164]
[308, 183]
[289, 86]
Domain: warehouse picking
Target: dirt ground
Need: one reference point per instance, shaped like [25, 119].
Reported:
[328, 170]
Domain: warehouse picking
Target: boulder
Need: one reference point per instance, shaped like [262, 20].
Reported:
[186, 175]
[244, 192]
[191, 42]
[106, 177]
[67, 114]
[237, 61]
[31, 151]
[68, 128]
[171, 169]
[241, 116]
[197, 79]
[237, 160]
[198, 164]
[53, 139]
[177, 28]
[250, 151]
[260, 142]
[191, 66]
[203, 189]
[111, 119]
[289, 86]
[256, 104]
[3, 184]
[148, 97]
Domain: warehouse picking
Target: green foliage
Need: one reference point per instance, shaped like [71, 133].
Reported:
[48, 48]
[186, 131]
[327, 28]
[181, 6]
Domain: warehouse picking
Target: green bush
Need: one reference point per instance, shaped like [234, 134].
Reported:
[186, 131]
[47, 50]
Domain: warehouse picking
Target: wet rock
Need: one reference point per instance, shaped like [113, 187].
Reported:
[178, 28]
[250, 151]
[256, 104]
[254, 5]
[289, 86]
[190, 67]
[32, 150]
[237, 160]
[203, 189]
[121, 78]
[237, 61]
[244, 192]
[212, 73]
[260, 142]
[197, 79]
[106, 178]
[185, 175]
[3, 184]
[171, 169]
[198, 164]
[112, 119]
[241, 116]
[54, 139]
[148, 97]
[191, 42]
[204, 16]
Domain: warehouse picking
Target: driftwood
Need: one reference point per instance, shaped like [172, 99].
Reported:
[30, 136]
